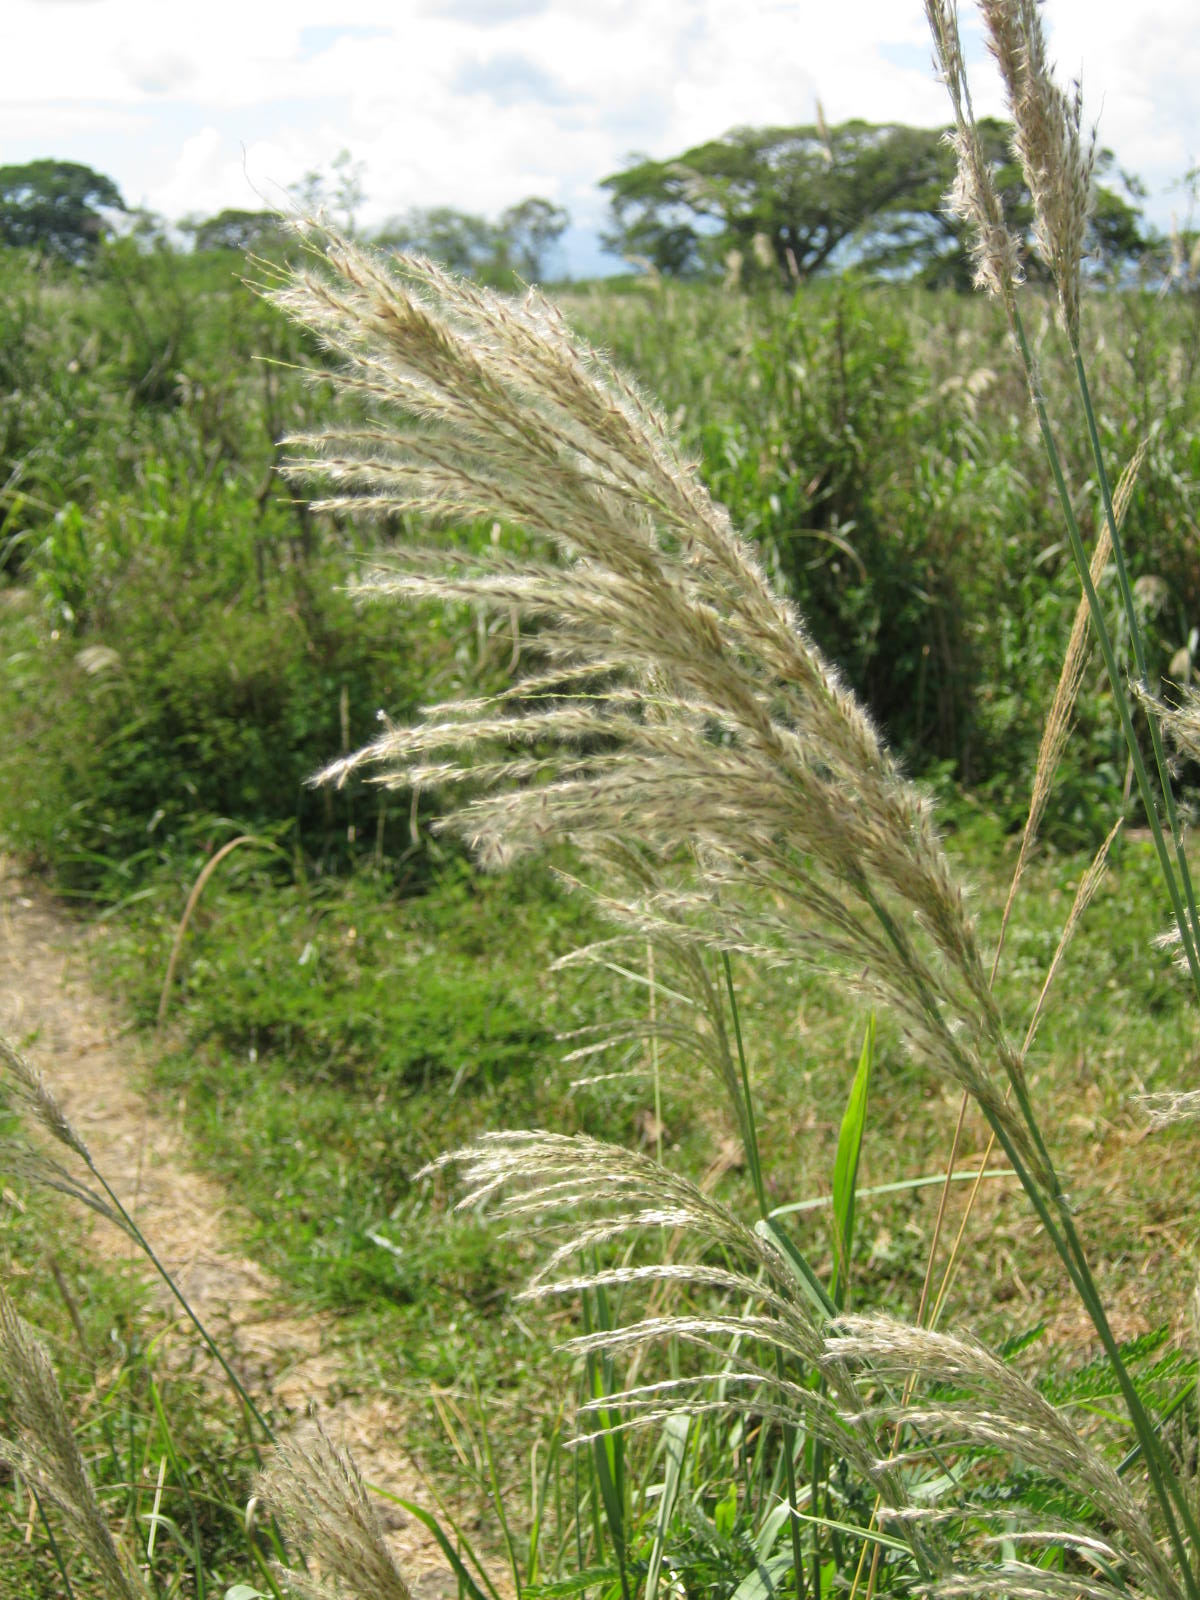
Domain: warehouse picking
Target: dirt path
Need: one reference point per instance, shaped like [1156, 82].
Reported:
[92, 1063]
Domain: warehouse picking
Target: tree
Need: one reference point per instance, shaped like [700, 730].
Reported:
[56, 206]
[243, 231]
[340, 193]
[804, 191]
[460, 240]
[529, 230]
[493, 252]
[809, 198]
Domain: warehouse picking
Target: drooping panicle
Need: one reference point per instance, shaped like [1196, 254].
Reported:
[674, 698]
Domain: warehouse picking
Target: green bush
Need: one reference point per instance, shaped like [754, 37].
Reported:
[185, 666]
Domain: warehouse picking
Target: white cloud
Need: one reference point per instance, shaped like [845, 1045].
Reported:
[476, 103]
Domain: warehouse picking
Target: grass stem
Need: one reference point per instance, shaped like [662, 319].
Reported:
[789, 1433]
[1104, 639]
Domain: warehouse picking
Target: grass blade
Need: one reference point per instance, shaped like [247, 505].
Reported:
[845, 1167]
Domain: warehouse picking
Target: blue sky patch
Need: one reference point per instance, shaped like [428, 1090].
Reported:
[509, 80]
[316, 40]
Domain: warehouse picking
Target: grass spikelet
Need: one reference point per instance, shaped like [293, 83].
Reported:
[995, 251]
[722, 724]
[35, 1094]
[1180, 723]
[999, 1410]
[1047, 140]
[315, 1491]
[31, 1091]
[42, 1449]
[1024, 1580]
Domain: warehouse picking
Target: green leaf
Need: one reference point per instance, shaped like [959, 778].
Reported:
[762, 1583]
[589, 1578]
[845, 1166]
[725, 1512]
[608, 1447]
[243, 1591]
[800, 1269]
[467, 1583]
[675, 1438]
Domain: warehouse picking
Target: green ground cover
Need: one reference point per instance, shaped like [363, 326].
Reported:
[177, 656]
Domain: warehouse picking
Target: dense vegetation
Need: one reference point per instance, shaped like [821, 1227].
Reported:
[179, 648]
[178, 655]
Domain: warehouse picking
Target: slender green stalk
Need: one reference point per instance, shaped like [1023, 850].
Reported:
[210, 1343]
[1164, 1482]
[1135, 634]
[180, 1472]
[747, 1103]
[54, 1550]
[789, 1433]
[1064, 1237]
[1104, 640]
[514, 1566]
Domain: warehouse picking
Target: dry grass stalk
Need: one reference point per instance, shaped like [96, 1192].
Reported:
[315, 1491]
[42, 1449]
[1070, 679]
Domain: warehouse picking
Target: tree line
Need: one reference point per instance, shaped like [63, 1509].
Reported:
[763, 204]
[68, 211]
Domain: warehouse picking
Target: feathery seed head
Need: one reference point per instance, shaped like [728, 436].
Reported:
[674, 697]
[1169, 1106]
[34, 1164]
[33, 1091]
[995, 250]
[317, 1494]
[549, 1178]
[1048, 141]
[1000, 1410]
[43, 1450]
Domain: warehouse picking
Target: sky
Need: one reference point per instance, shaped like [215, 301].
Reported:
[194, 107]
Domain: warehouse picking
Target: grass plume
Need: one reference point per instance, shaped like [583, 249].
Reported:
[319, 1499]
[674, 696]
[41, 1447]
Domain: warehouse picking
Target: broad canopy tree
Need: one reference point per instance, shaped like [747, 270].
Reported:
[56, 206]
[812, 198]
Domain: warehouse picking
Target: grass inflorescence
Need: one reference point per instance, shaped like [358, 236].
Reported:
[705, 781]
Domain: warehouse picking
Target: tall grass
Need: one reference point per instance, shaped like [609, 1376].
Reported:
[729, 801]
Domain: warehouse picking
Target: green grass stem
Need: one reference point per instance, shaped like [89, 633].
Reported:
[1104, 640]
[752, 1156]
[1135, 634]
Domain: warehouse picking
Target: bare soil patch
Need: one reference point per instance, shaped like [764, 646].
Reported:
[93, 1061]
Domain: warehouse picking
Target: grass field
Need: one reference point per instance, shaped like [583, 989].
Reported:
[353, 997]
